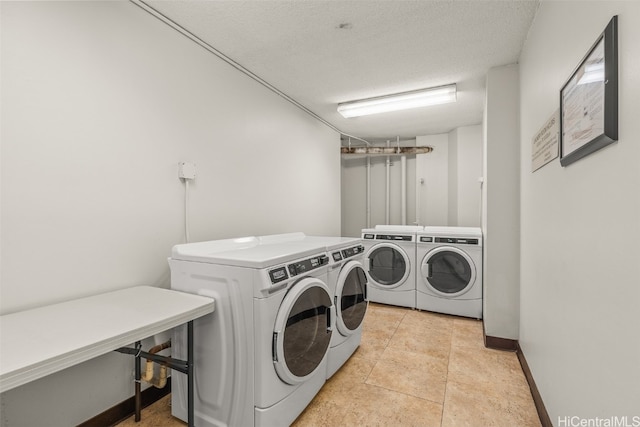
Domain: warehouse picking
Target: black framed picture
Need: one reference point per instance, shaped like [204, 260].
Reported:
[589, 100]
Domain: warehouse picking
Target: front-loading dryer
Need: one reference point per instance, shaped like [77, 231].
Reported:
[347, 283]
[389, 260]
[261, 357]
[450, 271]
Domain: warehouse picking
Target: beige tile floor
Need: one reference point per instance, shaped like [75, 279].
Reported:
[413, 368]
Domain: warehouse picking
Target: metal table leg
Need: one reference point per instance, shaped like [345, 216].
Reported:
[190, 379]
[138, 395]
[185, 367]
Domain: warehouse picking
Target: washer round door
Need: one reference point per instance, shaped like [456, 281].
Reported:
[448, 271]
[388, 265]
[302, 331]
[350, 298]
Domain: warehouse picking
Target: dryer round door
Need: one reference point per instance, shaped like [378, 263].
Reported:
[388, 265]
[448, 271]
[302, 331]
[351, 298]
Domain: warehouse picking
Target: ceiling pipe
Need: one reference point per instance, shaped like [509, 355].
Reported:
[388, 193]
[403, 164]
[368, 192]
[355, 137]
[149, 9]
[385, 151]
[403, 182]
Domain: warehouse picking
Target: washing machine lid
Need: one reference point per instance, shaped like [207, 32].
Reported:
[245, 252]
[284, 237]
[339, 243]
[391, 232]
[302, 331]
[329, 242]
[399, 228]
[471, 232]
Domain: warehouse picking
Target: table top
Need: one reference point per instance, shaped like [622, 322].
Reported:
[38, 342]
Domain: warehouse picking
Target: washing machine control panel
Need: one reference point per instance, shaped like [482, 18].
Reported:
[347, 253]
[278, 275]
[353, 251]
[457, 240]
[394, 237]
[309, 264]
[425, 239]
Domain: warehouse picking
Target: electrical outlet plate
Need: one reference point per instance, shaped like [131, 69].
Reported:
[187, 170]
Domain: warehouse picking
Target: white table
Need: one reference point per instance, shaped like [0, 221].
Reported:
[38, 342]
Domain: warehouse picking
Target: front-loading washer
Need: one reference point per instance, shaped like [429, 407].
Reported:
[260, 358]
[450, 271]
[347, 283]
[389, 260]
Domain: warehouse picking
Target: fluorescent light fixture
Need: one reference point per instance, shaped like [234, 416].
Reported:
[399, 101]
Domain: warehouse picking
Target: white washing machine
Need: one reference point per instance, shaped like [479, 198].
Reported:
[348, 285]
[260, 358]
[450, 271]
[389, 261]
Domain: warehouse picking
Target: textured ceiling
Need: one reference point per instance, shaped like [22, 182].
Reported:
[321, 53]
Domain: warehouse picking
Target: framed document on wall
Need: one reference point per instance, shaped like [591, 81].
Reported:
[589, 100]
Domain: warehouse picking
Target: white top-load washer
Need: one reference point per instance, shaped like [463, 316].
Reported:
[261, 358]
[347, 283]
[450, 271]
[389, 260]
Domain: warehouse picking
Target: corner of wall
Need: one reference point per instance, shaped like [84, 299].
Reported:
[501, 207]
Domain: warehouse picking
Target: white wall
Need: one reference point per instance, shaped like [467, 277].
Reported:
[452, 176]
[450, 194]
[501, 204]
[432, 195]
[465, 167]
[354, 195]
[469, 169]
[354, 191]
[100, 101]
[580, 286]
